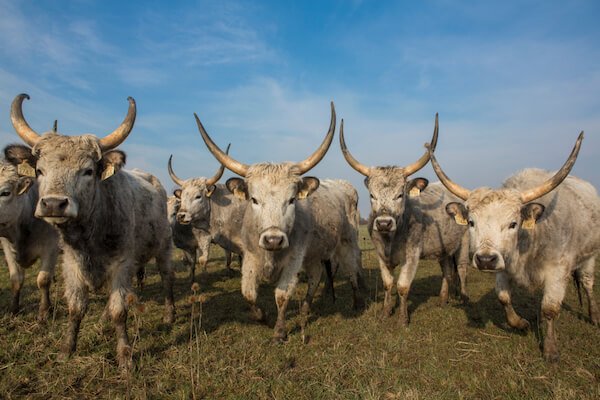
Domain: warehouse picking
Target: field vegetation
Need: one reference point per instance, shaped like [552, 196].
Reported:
[215, 351]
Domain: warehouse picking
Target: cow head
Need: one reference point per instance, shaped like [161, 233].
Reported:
[194, 197]
[13, 185]
[389, 186]
[272, 190]
[69, 169]
[496, 217]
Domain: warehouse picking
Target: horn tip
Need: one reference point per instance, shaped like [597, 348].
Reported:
[130, 99]
[24, 96]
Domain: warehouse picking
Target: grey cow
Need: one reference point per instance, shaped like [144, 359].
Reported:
[25, 238]
[209, 212]
[537, 230]
[289, 224]
[110, 220]
[408, 222]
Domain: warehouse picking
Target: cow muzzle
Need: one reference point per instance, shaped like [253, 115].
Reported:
[487, 261]
[273, 239]
[384, 224]
[56, 209]
[184, 218]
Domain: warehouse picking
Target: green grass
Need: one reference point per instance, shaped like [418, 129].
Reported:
[449, 352]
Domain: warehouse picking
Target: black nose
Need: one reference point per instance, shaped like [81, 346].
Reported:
[182, 218]
[273, 242]
[486, 261]
[54, 206]
[384, 225]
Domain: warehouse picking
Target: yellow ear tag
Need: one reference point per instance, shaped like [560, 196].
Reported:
[528, 224]
[108, 171]
[460, 220]
[24, 169]
[414, 192]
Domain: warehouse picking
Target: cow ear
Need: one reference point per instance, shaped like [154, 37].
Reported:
[209, 190]
[21, 157]
[238, 187]
[24, 184]
[458, 212]
[111, 162]
[530, 213]
[307, 185]
[177, 193]
[416, 186]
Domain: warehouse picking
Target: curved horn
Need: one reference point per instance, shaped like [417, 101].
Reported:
[361, 168]
[553, 182]
[455, 188]
[310, 162]
[220, 171]
[421, 162]
[229, 163]
[21, 126]
[172, 173]
[119, 135]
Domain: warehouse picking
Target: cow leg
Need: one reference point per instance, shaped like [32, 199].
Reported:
[462, 276]
[283, 292]
[203, 239]
[350, 260]
[250, 287]
[387, 276]
[407, 274]
[189, 259]
[140, 273]
[163, 263]
[503, 293]
[447, 265]
[463, 261]
[555, 287]
[44, 279]
[228, 261]
[117, 308]
[586, 277]
[16, 274]
[314, 271]
[76, 295]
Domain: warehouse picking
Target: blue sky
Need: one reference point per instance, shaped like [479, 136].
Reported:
[513, 82]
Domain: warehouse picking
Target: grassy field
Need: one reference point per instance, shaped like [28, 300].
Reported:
[215, 351]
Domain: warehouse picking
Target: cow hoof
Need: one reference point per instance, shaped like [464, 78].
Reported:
[169, 318]
[521, 324]
[258, 315]
[279, 339]
[387, 311]
[359, 304]
[465, 298]
[552, 356]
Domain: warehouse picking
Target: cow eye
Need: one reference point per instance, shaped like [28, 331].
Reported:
[198, 197]
[39, 172]
[512, 225]
[6, 193]
[471, 223]
[399, 196]
[292, 200]
[254, 200]
[88, 172]
[372, 197]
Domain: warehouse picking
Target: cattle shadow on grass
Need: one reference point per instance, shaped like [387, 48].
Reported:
[488, 309]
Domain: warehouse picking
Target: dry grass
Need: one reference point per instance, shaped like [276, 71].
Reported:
[215, 351]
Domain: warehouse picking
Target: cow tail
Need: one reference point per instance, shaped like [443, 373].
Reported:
[329, 278]
[577, 281]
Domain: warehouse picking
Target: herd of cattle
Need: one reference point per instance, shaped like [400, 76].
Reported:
[71, 195]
